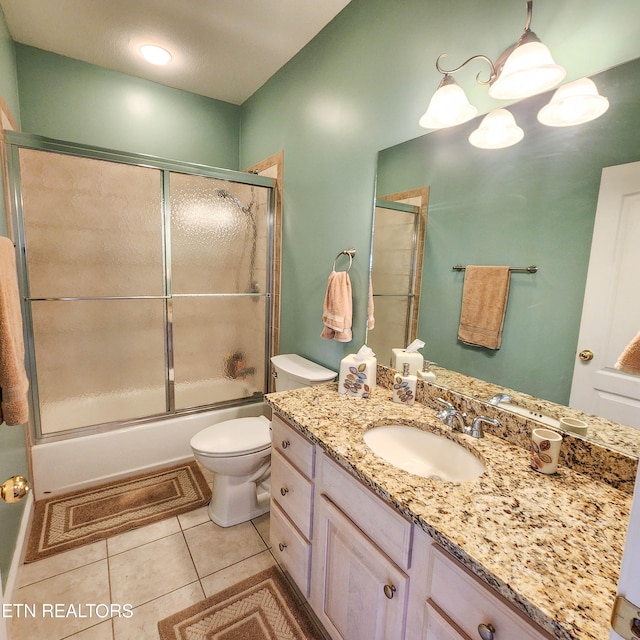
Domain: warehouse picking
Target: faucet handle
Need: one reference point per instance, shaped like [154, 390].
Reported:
[447, 405]
[500, 397]
[476, 431]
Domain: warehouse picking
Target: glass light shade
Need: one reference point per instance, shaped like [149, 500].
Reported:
[155, 54]
[448, 107]
[528, 70]
[497, 130]
[574, 103]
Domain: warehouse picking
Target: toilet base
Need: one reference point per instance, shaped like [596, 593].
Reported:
[234, 501]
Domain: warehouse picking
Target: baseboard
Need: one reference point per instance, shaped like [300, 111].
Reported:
[21, 545]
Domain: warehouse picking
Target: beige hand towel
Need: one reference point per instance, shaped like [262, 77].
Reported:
[13, 378]
[484, 304]
[337, 310]
[629, 360]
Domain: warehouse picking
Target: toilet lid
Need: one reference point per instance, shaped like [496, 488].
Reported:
[234, 437]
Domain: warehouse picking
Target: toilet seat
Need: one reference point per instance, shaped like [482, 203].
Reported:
[237, 437]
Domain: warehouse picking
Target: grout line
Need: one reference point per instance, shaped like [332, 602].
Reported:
[193, 562]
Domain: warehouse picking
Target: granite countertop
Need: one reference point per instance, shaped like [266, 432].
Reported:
[551, 544]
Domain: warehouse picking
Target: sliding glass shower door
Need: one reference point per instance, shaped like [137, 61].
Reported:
[147, 288]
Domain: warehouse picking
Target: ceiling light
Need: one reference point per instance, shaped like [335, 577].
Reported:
[497, 130]
[574, 103]
[524, 69]
[155, 54]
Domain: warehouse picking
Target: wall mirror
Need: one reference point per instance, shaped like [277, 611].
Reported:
[532, 203]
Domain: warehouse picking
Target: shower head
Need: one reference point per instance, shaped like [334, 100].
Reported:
[225, 195]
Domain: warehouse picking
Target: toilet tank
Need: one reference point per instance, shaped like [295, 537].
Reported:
[292, 371]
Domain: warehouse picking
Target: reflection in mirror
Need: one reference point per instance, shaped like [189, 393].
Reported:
[533, 203]
[396, 270]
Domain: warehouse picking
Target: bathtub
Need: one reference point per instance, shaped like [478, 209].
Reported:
[75, 463]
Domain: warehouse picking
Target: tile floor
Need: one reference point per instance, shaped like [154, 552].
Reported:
[158, 570]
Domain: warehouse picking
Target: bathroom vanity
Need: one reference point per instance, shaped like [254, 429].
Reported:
[382, 553]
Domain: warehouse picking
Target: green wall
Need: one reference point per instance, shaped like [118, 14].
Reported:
[13, 456]
[78, 102]
[360, 86]
[533, 203]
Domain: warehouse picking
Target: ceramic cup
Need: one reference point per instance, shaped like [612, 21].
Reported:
[574, 425]
[545, 450]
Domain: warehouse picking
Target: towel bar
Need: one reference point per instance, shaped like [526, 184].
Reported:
[530, 269]
[345, 252]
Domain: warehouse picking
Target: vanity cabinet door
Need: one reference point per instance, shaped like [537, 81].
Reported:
[358, 593]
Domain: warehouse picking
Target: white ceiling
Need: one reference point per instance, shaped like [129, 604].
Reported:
[224, 49]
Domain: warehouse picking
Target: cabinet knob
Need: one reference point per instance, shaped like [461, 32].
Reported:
[283, 491]
[486, 631]
[285, 444]
[389, 590]
[282, 546]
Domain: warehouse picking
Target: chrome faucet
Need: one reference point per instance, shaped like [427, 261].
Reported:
[500, 397]
[449, 414]
[475, 430]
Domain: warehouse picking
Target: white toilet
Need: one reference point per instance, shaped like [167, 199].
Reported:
[239, 451]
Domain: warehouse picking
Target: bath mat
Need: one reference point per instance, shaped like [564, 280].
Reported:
[75, 519]
[262, 607]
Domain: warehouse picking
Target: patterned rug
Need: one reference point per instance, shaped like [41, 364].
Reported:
[75, 519]
[262, 607]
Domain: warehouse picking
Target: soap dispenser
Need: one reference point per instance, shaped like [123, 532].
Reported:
[409, 355]
[426, 373]
[404, 386]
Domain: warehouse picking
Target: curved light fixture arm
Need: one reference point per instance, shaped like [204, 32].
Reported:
[527, 24]
[527, 35]
[477, 57]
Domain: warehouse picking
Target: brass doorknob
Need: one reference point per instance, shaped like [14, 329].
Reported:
[585, 355]
[14, 489]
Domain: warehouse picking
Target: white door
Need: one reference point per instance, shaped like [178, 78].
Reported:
[629, 585]
[3, 623]
[611, 311]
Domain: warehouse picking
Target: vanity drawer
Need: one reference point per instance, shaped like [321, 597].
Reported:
[292, 491]
[290, 548]
[438, 627]
[468, 602]
[293, 445]
[387, 528]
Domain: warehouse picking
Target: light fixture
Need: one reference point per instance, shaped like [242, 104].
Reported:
[448, 107]
[574, 103]
[524, 69]
[155, 55]
[497, 130]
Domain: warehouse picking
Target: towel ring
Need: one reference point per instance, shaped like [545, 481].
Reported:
[346, 252]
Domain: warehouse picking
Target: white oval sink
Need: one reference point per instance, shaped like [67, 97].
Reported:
[424, 453]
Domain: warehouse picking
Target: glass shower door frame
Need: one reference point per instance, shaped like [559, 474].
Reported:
[14, 142]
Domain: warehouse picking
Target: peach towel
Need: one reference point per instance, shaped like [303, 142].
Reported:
[337, 310]
[629, 360]
[14, 408]
[484, 304]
